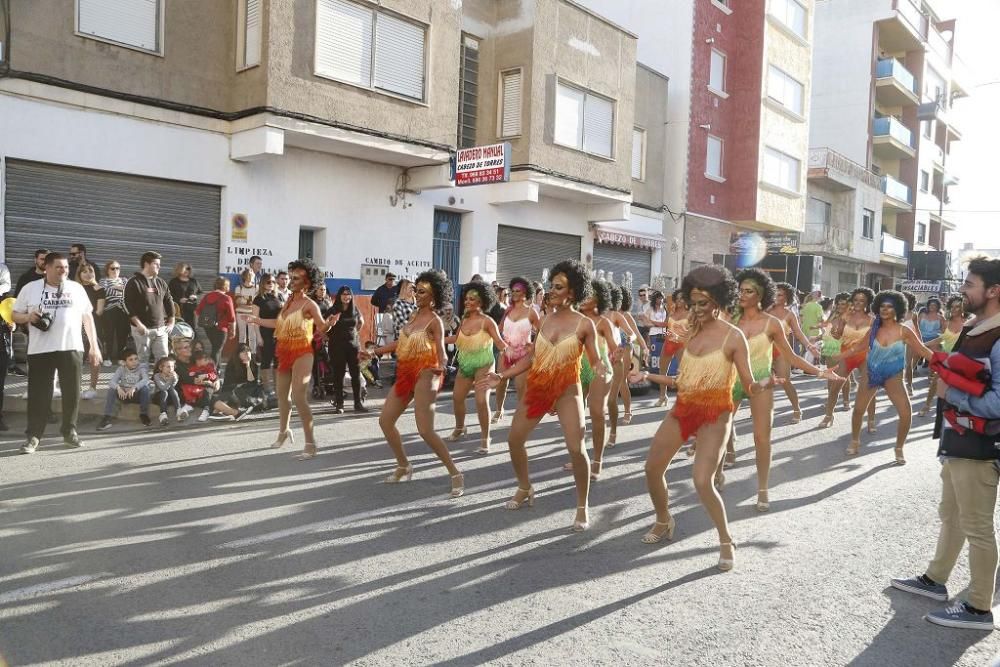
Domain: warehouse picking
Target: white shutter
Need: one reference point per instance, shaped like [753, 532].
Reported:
[510, 111]
[399, 56]
[598, 125]
[132, 22]
[569, 116]
[638, 141]
[344, 41]
[252, 33]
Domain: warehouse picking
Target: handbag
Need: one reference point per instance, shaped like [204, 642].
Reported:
[250, 394]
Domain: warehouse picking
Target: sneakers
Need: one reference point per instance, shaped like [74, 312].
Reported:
[106, 363]
[203, 417]
[920, 585]
[358, 407]
[216, 417]
[183, 413]
[30, 446]
[72, 440]
[88, 395]
[959, 616]
[105, 424]
[243, 412]
[145, 420]
[164, 419]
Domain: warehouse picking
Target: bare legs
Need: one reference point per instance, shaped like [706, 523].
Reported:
[931, 395]
[597, 399]
[502, 394]
[292, 388]
[617, 379]
[664, 365]
[783, 369]
[865, 401]
[463, 385]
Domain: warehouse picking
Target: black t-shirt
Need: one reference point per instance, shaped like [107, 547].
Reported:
[384, 297]
[346, 328]
[268, 305]
[180, 289]
[28, 276]
[95, 294]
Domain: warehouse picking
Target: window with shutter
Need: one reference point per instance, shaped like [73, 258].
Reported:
[569, 116]
[134, 23]
[638, 152]
[399, 56]
[510, 96]
[598, 125]
[785, 90]
[584, 121]
[250, 27]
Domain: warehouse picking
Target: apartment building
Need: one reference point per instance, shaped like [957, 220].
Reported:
[325, 128]
[885, 77]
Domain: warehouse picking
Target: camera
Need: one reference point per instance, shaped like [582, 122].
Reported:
[44, 322]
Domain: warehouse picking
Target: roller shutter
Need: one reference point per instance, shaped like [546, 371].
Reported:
[117, 216]
[527, 252]
[618, 260]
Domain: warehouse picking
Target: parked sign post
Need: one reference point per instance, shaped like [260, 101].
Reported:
[480, 165]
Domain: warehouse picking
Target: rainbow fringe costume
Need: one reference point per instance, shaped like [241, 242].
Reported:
[948, 339]
[678, 327]
[831, 346]
[885, 361]
[474, 352]
[761, 363]
[414, 353]
[704, 389]
[517, 335]
[587, 374]
[293, 335]
[851, 337]
[555, 367]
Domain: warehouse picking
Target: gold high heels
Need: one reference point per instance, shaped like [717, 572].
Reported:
[308, 452]
[580, 526]
[400, 474]
[652, 537]
[282, 437]
[726, 564]
[457, 485]
[528, 499]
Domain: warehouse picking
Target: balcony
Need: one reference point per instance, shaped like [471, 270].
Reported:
[892, 140]
[939, 45]
[897, 195]
[906, 30]
[823, 238]
[838, 172]
[894, 85]
[894, 249]
[940, 110]
[945, 223]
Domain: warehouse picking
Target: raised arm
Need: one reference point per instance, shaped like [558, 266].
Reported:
[776, 334]
[800, 335]
[494, 332]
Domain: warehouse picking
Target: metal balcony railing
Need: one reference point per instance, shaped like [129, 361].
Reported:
[890, 67]
[893, 246]
[893, 188]
[888, 126]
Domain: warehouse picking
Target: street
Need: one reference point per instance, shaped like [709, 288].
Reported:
[203, 546]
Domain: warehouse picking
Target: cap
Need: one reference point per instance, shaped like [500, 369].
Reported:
[390, 275]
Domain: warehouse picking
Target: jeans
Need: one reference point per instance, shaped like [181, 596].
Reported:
[154, 339]
[41, 378]
[168, 398]
[345, 353]
[141, 396]
[968, 498]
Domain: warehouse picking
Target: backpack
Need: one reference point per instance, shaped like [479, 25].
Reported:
[209, 315]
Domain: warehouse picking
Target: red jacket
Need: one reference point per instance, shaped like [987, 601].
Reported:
[223, 307]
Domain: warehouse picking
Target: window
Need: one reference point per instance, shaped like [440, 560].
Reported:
[717, 72]
[785, 90]
[370, 48]
[847, 279]
[868, 224]
[928, 127]
[134, 23]
[818, 212]
[468, 91]
[584, 120]
[921, 232]
[713, 157]
[638, 153]
[792, 15]
[248, 33]
[781, 170]
[510, 103]
[925, 181]
[307, 245]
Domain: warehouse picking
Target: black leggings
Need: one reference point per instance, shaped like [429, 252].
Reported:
[267, 357]
[345, 354]
[217, 339]
[116, 333]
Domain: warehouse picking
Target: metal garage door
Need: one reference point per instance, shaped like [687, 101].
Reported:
[527, 252]
[117, 216]
[618, 260]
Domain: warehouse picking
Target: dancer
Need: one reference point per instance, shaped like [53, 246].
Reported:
[853, 351]
[518, 327]
[293, 331]
[784, 300]
[911, 324]
[677, 325]
[626, 331]
[833, 331]
[946, 342]
[474, 341]
[764, 334]
[714, 355]
[884, 368]
[553, 381]
[930, 322]
[596, 388]
[420, 363]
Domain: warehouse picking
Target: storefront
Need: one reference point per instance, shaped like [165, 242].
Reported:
[530, 252]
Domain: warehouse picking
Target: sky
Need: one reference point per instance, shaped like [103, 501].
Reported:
[975, 201]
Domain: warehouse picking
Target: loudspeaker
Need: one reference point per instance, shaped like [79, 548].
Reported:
[802, 271]
[929, 265]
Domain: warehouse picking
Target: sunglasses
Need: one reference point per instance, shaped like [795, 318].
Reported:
[114, 268]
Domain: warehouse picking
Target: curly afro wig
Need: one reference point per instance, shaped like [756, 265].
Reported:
[313, 275]
[626, 299]
[615, 295]
[765, 285]
[440, 285]
[952, 300]
[896, 299]
[788, 291]
[524, 284]
[869, 296]
[577, 276]
[841, 296]
[678, 295]
[601, 295]
[487, 297]
[932, 301]
[716, 281]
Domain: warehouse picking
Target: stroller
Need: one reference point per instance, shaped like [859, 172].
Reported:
[322, 376]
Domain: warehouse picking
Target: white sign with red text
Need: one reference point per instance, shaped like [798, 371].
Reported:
[482, 164]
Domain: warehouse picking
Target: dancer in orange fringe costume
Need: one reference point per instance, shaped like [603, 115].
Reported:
[853, 351]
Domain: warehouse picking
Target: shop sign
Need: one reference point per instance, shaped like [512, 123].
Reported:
[483, 164]
[775, 243]
[615, 237]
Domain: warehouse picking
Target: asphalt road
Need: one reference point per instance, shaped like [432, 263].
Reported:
[202, 546]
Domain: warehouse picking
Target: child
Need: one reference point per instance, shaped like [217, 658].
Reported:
[202, 381]
[165, 382]
[367, 369]
[129, 384]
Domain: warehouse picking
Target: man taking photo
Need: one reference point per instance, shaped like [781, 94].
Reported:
[58, 311]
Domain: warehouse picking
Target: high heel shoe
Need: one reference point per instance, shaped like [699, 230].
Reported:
[611, 439]
[308, 452]
[762, 501]
[528, 499]
[594, 476]
[900, 461]
[484, 447]
[627, 419]
[827, 422]
[580, 526]
[730, 460]
[456, 435]
[871, 426]
[400, 474]
[726, 564]
[852, 449]
[457, 485]
[662, 401]
[719, 480]
[924, 411]
[796, 416]
[282, 436]
[497, 416]
[652, 537]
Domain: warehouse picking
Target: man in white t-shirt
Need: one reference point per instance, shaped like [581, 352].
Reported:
[58, 311]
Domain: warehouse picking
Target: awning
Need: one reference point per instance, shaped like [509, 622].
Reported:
[628, 239]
